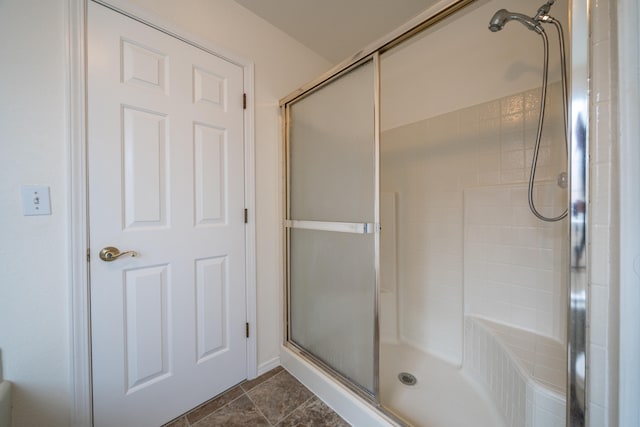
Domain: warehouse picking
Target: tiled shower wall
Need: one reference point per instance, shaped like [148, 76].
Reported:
[514, 263]
[429, 165]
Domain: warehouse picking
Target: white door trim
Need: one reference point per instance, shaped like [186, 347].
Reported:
[80, 337]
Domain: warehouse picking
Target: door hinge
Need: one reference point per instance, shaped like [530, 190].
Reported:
[246, 216]
[246, 329]
[244, 101]
[88, 255]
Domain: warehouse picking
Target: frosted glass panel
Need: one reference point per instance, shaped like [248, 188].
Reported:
[331, 148]
[332, 300]
[332, 184]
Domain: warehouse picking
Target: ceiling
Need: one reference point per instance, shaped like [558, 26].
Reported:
[336, 29]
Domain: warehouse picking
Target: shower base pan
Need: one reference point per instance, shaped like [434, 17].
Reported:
[442, 396]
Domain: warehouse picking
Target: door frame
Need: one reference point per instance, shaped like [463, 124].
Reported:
[81, 413]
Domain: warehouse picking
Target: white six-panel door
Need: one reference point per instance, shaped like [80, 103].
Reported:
[166, 180]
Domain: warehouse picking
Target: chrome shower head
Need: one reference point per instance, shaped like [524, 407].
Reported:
[498, 20]
[501, 17]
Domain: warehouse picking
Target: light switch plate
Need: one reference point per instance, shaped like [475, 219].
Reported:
[36, 200]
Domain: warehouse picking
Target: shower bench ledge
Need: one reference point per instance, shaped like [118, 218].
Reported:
[523, 372]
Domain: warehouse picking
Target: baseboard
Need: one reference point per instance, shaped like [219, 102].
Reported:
[268, 365]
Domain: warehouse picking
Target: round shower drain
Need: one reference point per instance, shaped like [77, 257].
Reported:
[407, 379]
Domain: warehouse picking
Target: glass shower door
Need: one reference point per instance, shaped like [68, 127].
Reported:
[332, 225]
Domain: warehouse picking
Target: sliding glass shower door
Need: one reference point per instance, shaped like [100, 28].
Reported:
[332, 225]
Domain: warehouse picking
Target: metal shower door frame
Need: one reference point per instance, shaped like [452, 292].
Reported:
[578, 167]
[577, 355]
[340, 227]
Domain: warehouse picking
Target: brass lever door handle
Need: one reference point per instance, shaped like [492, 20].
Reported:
[110, 253]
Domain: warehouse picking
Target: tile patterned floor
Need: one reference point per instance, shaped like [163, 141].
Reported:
[275, 398]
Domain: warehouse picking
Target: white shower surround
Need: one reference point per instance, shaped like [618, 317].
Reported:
[467, 244]
[515, 264]
[466, 241]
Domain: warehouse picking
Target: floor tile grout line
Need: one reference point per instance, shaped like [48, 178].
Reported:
[286, 415]
[306, 401]
[242, 389]
[263, 382]
[302, 405]
[169, 423]
[220, 408]
[245, 392]
[256, 406]
[203, 404]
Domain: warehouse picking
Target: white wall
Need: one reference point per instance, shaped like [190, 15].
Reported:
[34, 276]
[483, 64]
[34, 291]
